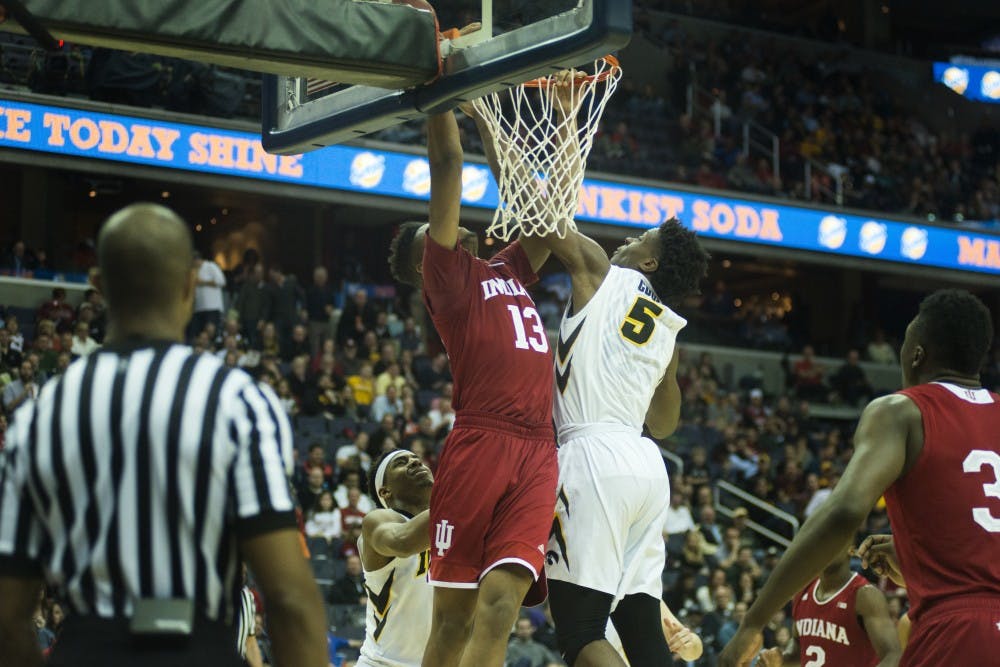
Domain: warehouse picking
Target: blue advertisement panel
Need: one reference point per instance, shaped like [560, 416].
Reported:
[977, 82]
[233, 153]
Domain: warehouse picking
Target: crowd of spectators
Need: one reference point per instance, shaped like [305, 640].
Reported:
[886, 153]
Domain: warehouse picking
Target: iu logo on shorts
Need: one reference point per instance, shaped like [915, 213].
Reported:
[442, 536]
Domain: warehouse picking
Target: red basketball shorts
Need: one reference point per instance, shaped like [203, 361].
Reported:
[959, 632]
[493, 499]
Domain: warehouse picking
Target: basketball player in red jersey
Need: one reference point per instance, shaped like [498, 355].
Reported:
[840, 619]
[933, 450]
[495, 487]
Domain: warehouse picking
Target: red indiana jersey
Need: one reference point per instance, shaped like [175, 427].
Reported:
[496, 341]
[945, 511]
[830, 631]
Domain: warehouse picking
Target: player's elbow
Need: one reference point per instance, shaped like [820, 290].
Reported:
[662, 426]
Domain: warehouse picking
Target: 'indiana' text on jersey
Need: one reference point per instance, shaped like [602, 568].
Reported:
[506, 287]
[817, 627]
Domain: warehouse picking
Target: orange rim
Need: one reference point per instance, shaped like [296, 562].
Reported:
[545, 81]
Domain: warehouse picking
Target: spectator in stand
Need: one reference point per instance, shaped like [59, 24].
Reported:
[208, 299]
[679, 520]
[297, 344]
[57, 310]
[320, 299]
[524, 651]
[98, 318]
[435, 375]
[442, 417]
[9, 359]
[390, 377]
[807, 376]
[14, 334]
[359, 316]
[18, 262]
[254, 303]
[309, 493]
[286, 398]
[48, 358]
[285, 299]
[880, 351]
[363, 385]
[298, 375]
[354, 456]
[324, 520]
[387, 404]
[744, 563]
[411, 339]
[351, 513]
[82, 343]
[317, 459]
[710, 529]
[721, 614]
[349, 360]
[850, 382]
[350, 588]
[21, 389]
[343, 494]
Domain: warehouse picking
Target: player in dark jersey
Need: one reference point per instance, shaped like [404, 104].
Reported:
[495, 485]
[839, 619]
[933, 450]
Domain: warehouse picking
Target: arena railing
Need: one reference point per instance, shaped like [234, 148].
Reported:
[722, 486]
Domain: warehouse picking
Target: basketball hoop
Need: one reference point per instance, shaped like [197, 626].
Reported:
[542, 148]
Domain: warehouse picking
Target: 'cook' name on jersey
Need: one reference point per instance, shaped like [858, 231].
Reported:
[648, 291]
[817, 627]
[506, 287]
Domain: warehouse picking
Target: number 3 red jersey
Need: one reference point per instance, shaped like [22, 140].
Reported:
[945, 511]
[495, 338]
[830, 632]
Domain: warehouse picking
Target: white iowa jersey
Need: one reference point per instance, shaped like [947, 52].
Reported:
[613, 352]
[398, 618]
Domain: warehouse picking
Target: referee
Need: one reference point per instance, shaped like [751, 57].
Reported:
[137, 480]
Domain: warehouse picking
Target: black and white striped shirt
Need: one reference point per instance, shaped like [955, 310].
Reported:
[134, 473]
[246, 620]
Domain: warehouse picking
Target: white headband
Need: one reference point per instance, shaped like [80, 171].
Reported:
[380, 474]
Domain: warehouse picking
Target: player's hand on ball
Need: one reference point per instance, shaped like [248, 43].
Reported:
[685, 644]
[771, 658]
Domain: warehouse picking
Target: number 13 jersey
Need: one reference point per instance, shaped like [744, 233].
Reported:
[613, 352]
[945, 511]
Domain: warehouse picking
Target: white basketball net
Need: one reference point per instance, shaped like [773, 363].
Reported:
[542, 149]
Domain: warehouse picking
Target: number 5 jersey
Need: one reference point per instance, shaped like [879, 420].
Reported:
[613, 352]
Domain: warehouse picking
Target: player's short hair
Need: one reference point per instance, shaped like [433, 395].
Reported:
[682, 263]
[401, 263]
[956, 328]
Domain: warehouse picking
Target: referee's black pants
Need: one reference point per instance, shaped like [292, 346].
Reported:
[97, 642]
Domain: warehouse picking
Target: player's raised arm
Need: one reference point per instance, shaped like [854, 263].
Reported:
[874, 612]
[879, 458]
[444, 154]
[585, 260]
